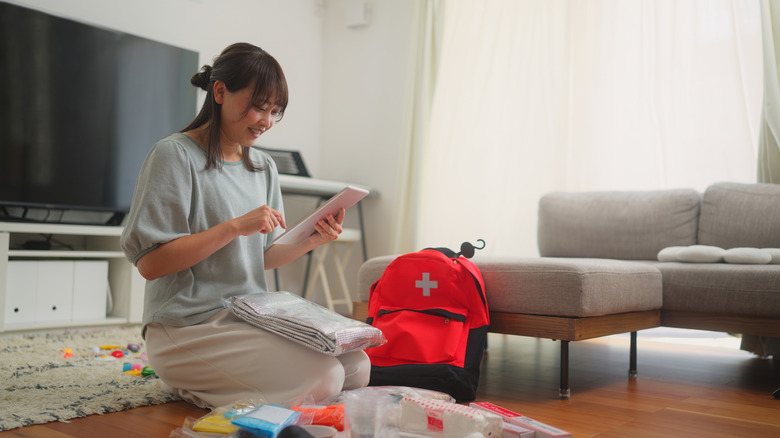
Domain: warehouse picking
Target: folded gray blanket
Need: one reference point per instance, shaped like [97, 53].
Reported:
[305, 322]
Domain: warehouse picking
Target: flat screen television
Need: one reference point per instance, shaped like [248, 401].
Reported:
[80, 107]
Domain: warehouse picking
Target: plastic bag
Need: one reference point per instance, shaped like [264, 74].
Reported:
[267, 420]
[305, 322]
[322, 415]
[216, 423]
[378, 408]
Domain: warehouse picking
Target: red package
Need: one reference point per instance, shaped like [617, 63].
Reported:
[332, 415]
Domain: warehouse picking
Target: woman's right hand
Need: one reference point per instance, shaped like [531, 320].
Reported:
[262, 220]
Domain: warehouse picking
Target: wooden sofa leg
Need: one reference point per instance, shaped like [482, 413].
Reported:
[564, 390]
[632, 358]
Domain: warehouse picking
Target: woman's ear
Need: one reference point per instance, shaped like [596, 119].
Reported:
[219, 91]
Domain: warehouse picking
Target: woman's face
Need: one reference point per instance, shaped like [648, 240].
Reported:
[243, 121]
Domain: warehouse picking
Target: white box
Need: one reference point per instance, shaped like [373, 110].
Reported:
[512, 430]
[21, 288]
[90, 288]
[54, 300]
[542, 430]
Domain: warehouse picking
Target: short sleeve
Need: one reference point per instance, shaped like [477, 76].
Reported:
[274, 197]
[161, 202]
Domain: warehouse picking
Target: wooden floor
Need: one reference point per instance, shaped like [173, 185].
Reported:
[683, 390]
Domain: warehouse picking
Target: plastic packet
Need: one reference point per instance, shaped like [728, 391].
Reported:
[387, 409]
[216, 423]
[396, 392]
[322, 415]
[267, 420]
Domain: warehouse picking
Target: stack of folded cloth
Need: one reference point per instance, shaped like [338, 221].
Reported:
[305, 322]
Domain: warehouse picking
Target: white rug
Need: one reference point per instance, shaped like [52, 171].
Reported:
[39, 385]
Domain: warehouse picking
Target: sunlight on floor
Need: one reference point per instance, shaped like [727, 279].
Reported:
[680, 339]
[691, 337]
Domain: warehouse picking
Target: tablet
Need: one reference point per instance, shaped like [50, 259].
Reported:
[305, 228]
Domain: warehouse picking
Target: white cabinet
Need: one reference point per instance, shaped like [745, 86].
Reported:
[45, 291]
[69, 284]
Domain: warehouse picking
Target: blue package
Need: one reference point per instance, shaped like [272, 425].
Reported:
[267, 420]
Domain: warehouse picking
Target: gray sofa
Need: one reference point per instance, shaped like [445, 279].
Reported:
[599, 274]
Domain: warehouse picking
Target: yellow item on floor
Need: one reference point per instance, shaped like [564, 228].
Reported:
[214, 424]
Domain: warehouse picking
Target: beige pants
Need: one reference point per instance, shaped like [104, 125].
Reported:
[225, 360]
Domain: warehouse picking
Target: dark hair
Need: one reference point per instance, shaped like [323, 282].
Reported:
[239, 66]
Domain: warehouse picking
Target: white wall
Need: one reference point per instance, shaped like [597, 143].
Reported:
[364, 76]
[346, 85]
[364, 79]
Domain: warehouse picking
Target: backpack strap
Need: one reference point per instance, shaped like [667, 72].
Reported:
[477, 274]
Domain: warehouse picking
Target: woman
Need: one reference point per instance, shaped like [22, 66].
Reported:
[205, 212]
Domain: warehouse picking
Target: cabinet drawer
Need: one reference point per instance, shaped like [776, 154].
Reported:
[90, 290]
[54, 301]
[20, 292]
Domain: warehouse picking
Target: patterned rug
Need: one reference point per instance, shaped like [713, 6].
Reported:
[38, 384]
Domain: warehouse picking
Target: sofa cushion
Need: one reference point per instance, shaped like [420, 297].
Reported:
[740, 215]
[570, 287]
[700, 254]
[554, 286]
[670, 253]
[747, 256]
[775, 253]
[722, 288]
[629, 225]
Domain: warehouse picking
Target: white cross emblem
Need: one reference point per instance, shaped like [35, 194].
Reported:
[426, 284]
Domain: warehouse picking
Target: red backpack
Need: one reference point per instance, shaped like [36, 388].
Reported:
[432, 309]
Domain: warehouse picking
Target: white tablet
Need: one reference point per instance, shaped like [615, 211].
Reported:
[305, 228]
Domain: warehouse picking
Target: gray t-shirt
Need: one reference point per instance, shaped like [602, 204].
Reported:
[177, 196]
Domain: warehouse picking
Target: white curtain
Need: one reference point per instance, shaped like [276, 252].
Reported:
[769, 137]
[768, 169]
[534, 96]
[425, 43]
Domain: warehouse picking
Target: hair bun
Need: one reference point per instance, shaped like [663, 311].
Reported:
[202, 79]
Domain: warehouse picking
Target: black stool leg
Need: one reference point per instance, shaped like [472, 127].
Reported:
[632, 358]
[564, 390]
[306, 274]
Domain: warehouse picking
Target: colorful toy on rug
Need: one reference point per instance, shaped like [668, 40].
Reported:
[117, 351]
[137, 369]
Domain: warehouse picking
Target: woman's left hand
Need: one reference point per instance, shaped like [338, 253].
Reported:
[327, 230]
[329, 227]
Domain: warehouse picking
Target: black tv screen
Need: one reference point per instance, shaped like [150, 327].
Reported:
[80, 107]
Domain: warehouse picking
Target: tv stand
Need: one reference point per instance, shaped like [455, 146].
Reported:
[116, 219]
[82, 243]
[58, 215]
